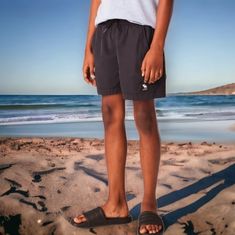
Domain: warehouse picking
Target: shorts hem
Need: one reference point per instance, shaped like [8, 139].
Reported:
[143, 96]
[109, 92]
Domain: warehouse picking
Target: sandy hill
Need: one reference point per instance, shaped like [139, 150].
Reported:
[228, 89]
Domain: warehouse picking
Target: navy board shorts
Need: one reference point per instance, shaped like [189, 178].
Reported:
[119, 47]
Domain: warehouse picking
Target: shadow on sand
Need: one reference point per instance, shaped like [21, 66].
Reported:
[227, 176]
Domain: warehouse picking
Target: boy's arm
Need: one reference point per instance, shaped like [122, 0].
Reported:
[164, 12]
[152, 65]
[91, 25]
[88, 63]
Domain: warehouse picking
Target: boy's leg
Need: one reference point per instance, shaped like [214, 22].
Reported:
[113, 112]
[146, 123]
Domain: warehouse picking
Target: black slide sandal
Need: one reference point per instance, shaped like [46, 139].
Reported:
[96, 217]
[150, 217]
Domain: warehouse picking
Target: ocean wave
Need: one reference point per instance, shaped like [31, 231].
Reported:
[85, 117]
[46, 119]
[42, 106]
[59, 109]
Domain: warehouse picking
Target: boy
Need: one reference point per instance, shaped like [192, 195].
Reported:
[124, 59]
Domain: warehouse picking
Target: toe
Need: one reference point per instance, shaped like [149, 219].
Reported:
[76, 219]
[155, 229]
[151, 229]
[143, 229]
[79, 219]
[159, 227]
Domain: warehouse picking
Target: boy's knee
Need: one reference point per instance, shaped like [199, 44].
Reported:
[108, 114]
[111, 115]
[144, 121]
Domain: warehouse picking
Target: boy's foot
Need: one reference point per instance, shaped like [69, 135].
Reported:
[110, 211]
[150, 228]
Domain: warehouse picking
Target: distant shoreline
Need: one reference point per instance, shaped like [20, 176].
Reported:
[198, 93]
[228, 89]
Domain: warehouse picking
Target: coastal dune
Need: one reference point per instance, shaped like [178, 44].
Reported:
[227, 89]
[46, 181]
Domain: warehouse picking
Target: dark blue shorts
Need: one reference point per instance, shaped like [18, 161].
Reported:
[119, 47]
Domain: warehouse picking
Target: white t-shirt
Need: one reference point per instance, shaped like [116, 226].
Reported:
[137, 11]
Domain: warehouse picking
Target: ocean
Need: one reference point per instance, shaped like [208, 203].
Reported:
[180, 117]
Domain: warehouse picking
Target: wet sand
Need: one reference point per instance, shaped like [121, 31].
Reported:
[232, 127]
[44, 181]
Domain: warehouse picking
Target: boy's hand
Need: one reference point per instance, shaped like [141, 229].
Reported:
[152, 65]
[89, 68]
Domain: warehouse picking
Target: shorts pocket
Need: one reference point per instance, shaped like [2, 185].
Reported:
[148, 35]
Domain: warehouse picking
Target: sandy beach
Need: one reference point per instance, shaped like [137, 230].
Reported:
[44, 181]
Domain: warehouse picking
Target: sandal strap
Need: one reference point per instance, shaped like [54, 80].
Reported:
[95, 216]
[150, 217]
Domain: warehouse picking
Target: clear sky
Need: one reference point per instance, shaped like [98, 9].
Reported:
[42, 46]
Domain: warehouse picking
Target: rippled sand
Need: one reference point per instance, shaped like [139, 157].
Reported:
[46, 180]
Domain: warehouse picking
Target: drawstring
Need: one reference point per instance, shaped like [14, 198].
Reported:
[105, 26]
[108, 23]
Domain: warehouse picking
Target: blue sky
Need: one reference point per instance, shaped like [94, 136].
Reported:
[42, 46]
